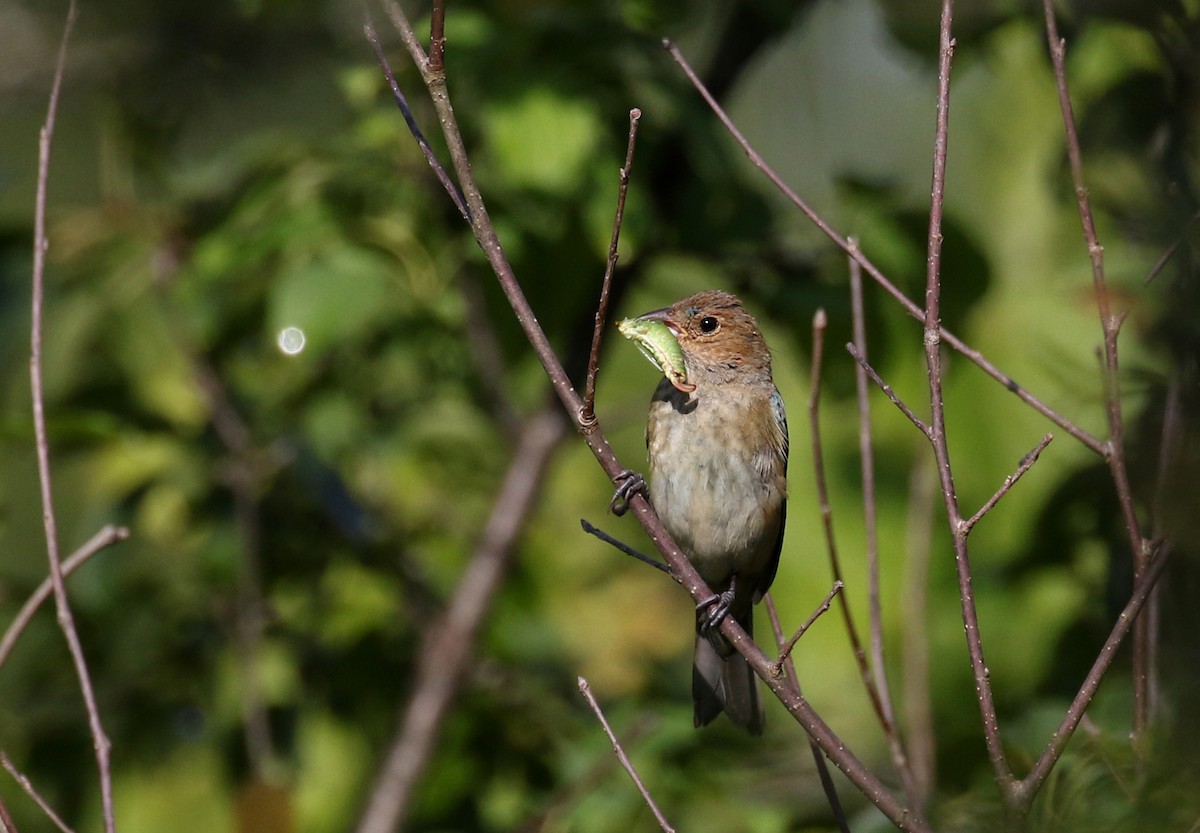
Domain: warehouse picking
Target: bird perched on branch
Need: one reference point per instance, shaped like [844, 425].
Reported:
[718, 446]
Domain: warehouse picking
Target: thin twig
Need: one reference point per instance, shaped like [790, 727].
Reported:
[843, 243]
[887, 389]
[450, 641]
[788, 665]
[66, 620]
[866, 456]
[623, 547]
[106, 537]
[1169, 252]
[1025, 465]
[6, 822]
[588, 417]
[820, 322]
[1028, 788]
[402, 102]
[21, 779]
[785, 649]
[1110, 325]
[915, 648]
[586, 691]
[937, 422]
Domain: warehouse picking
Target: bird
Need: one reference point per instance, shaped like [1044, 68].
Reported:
[717, 446]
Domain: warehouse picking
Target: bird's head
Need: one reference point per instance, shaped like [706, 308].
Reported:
[718, 340]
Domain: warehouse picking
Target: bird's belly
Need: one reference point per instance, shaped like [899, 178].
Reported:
[717, 506]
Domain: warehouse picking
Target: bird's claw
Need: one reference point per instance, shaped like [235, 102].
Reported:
[714, 609]
[629, 483]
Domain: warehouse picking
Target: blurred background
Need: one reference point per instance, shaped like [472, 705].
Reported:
[227, 173]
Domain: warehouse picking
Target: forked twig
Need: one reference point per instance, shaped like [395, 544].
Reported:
[1026, 789]
[588, 417]
[586, 691]
[66, 620]
[820, 322]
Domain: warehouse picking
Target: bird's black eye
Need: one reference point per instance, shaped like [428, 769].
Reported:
[709, 325]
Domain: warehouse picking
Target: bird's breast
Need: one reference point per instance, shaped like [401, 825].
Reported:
[717, 474]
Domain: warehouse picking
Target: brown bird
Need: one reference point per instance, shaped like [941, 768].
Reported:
[718, 448]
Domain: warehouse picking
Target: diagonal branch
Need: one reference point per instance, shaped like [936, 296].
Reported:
[106, 537]
[23, 780]
[586, 691]
[1025, 465]
[450, 642]
[1028, 788]
[887, 389]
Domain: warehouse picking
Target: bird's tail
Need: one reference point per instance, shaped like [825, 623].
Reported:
[726, 683]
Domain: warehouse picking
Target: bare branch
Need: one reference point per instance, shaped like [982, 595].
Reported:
[586, 691]
[1028, 788]
[450, 642]
[1110, 324]
[103, 539]
[887, 390]
[915, 647]
[1025, 465]
[844, 244]
[66, 620]
[1169, 252]
[21, 779]
[623, 547]
[789, 666]
[820, 322]
[588, 417]
[866, 456]
[402, 102]
[937, 422]
[785, 649]
[6, 822]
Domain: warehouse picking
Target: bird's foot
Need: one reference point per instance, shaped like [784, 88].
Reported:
[629, 483]
[713, 610]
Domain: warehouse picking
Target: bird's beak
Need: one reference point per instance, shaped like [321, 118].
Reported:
[662, 316]
[655, 335]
